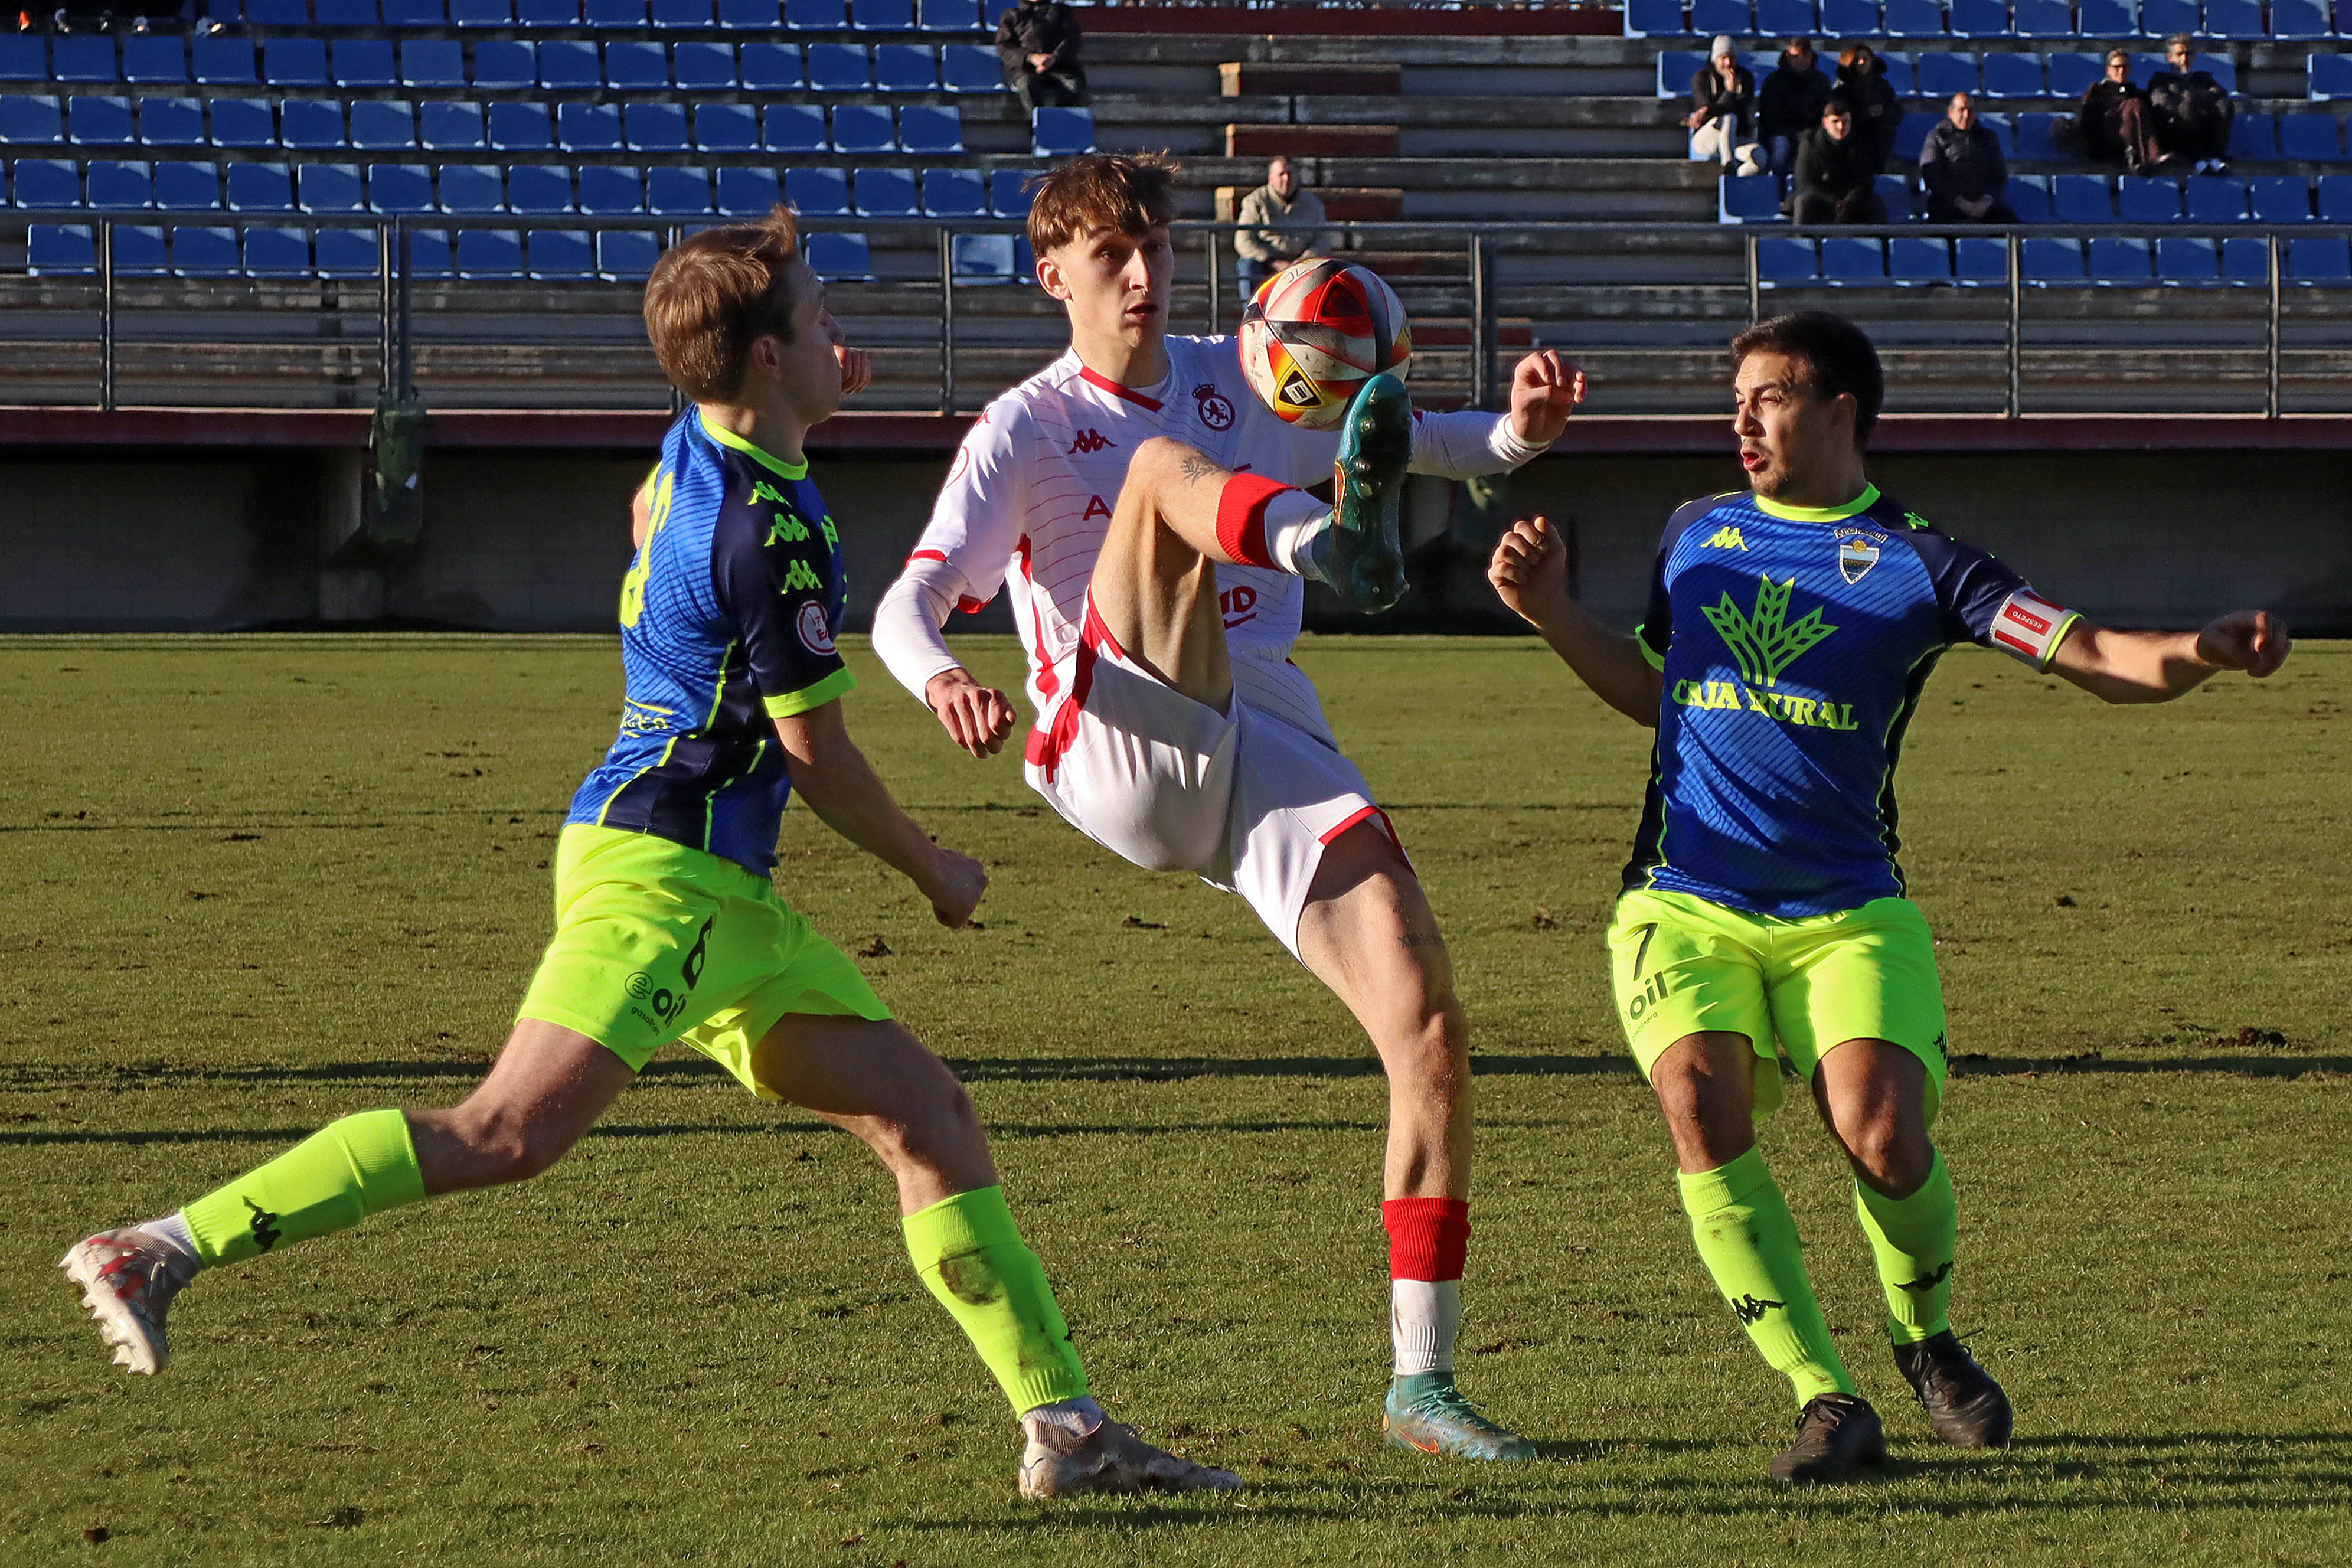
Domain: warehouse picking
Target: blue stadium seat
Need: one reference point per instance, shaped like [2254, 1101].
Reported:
[362, 63]
[2330, 76]
[1654, 19]
[2180, 261]
[162, 123]
[2161, 19]
[2043, 19]
[345, 13]
[99, 122]
[2234, 19]
[2310, 139]
[565, 64]
[882, 15]
[329, 188]
[277, 13]
[119, 184]
[2216, 198]
[2254, 134]
[906, 67]
[816, 15]
[2280, 198]
[955, 193]
[727, 128]
[260, 188]
[948, 16]
[1675, 68]
[2082, 198]
[471, 188]
[547, 12]
[1061, 133]
[222, 60]
[432, 62]
[2071, 73]
[187, 188]
[541, 190]
[204, 252]
[560, 255]
[2037, 138]
[2139, 199]
[1008, 193]
[1711, 17]
[346, 253]
[405, 15]
[310, 124]
[2224, 69]
[839, 258]
[678, 193]
[795, 128]
[587, 127]
[981, 258]
[626, 256]
[655, 127]
[1911, 134]
[606, 191]
[2011, 74]
[930, 128]
[48, 183]
[1847, 259]
[2247, 260]
[2028, 196]
[87, 57]
[492, 253]
[863, 128]
[383, 124]
[1911, 19]
[971, 67]
[522, 127]
[34, 120]
[818, 192]
[448, 127]
[2336, 198]
[428, 253]
[155, 59]
[1979, 259]
[1910, 259]
[138, 251]
[1747, 198]
[682, 16]
[24, 57]
[1942, 73]
[705, 66]
[1781, 260]
[2048, 260]
[2319, 259]
[1898, 72]
[2298, 20]
[1850, 19]
[610, 15]
[481, 13]
[295, 62]
[637, 66]
[749, 15]
[747, 193]
[2106, 19]
[839, 68]
[243, 122]
[1980, 18]
[506, 65]
[884, 192]
[2122, 262]
[1895, 192]
[772, 67]
[399, 188]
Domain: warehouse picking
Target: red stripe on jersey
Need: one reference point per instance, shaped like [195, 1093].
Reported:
[1240, 517]
[1047, 744]
[938, 555]
[969, 606]
[1046, 682]
[1115, 390]
[1366, 814]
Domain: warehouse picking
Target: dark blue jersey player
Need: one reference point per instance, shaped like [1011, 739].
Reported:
[1790, 630]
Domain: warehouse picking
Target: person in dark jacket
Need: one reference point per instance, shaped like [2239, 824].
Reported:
[2192, 109]
[1789, 104]
[1837, 172]
[1722, 121]
[1961, 165]
[1862, 76]
[2114, 120]
[1038, 42]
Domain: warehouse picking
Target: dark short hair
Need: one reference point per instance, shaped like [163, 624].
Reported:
[1838, 357]
[1837, 103]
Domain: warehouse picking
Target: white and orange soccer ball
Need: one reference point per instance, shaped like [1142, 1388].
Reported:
[1317, 330]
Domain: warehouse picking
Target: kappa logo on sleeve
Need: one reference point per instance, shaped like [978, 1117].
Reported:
[816, 632]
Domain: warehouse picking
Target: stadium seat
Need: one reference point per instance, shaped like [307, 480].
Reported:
[2180, 261]
[612, 14]
[204, 252]
[2224, 69]
[2037, 138]
[432, 62]
[884, 192]
[634, 66]
[839, 68]
[606, 191]
[277, 13]
[346, 253]
[586, 127]
[362, 63]
[490, 253]
[1711, 17]
[2319, 259]
[522, 127]
[817, 16]
[471, 188]
[2070, 73]
[1911, 19]
[539, 190]
[2248, 260]
[428, 253]
[444, 127]
[408, 14]
[243, 122]
[1942, 73]
[1008, 193]
[2330, 76]
[294, 62]
[818, 192]
[1747, 198]
[981, 258]
[260, 188]
[24, 57]
[2298, 20]
[2121, 262]
[930, 128]
[481, 13]
[48, 183]
[882, 15]
[795, 128]
[395, 189]
[2046, 260]
[559, 255]
[1061, 133]
[2161, 19]
[99, 121]
[90, 58]
[971, 67]
[2254, 135]
[506, 65]
[863, 128]
[2139, 199]
[563, 65]
[948, 16]
[954, 193]
[2082, 198]
[2310, 139]
[547, 12]
[1849, 259]
[2011, 74]
[1897, 69]
[839, 258]
[310, 124]
[678, 193]
[1980, 18]
[749, 15]
[1781, 260]
[655, 127]
[1912, 260]
[2216, 198]
[2336, 198]
[383, 124]
[61, 248]
[1675, 68]
[162, 123]
[772, 67]
[2233, 19]
[138, 251]
[1895, 192]
[221, 60]
[2028, 196]
[747, 193]
[33, 120]
[1850, 19]
[1911, 134]
[120, 185]
[187, 188]
[1979, 259]
[155, 59]
[626, 256]
[682, 16]
[2280, 198]
[329, 188]
[1654, 19]
[727, 128]
[906, 67]
[705, 67]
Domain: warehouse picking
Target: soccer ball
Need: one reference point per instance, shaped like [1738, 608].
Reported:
[1314, 333]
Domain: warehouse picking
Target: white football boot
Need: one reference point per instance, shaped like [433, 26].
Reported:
[128, 1278]
[1060, 1462]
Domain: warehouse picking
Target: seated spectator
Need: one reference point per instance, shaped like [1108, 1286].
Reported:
[1280, 223]
[1789, 104]
[2192, 109]
[1038, 42]
[1862, 76]
[1963, 170]
[1837, 171]
[2115, 121]
[1722, 121]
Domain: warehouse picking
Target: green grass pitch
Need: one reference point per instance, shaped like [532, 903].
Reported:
[258, 883]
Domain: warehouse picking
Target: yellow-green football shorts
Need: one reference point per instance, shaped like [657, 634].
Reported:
[656, 943]
[1683, 965]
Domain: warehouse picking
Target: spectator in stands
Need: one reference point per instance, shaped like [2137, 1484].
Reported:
[1837, 171]
[1038, 42]
[1788, 105]
[1280, 223]
[1961, 165]
[2115, 121]
[1862, 76]
[2192, 109]
[1722, 121]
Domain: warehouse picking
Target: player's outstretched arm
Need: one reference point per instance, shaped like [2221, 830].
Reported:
[2156, 667]
[1544, 390]
[907, 635]
[977, 718]
[840, 785]
[1530, 572]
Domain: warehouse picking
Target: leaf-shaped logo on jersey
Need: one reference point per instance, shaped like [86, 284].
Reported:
[1764, 642]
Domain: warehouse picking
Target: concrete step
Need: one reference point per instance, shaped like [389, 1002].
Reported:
[1341, 204]
[1370, 79]
[1321, 141]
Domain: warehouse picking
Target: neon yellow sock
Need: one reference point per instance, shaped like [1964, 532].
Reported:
[1749, 1243]
[331, 1181]
[1913, 1241]
[971, 1255]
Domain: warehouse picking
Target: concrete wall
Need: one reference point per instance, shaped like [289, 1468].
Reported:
[537, 541]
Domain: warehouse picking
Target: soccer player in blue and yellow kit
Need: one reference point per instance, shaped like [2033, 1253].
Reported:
[669, 928]
[1789, 633]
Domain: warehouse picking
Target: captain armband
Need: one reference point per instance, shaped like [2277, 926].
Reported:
[2031, 627]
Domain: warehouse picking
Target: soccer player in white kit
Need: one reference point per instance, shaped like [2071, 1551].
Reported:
[1142, 508]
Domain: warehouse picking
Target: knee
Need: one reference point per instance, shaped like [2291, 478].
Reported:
[497, 1148]
[1887, 1153]
[930, 1121]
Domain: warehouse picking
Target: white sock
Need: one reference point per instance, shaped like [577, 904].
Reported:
[1423, 1316]
[1077, 1416]
[1292, 518]
[173, 1228]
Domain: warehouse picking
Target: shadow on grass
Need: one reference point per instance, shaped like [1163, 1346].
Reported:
[997, 1129]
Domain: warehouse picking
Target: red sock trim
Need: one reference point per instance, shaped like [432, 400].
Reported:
[1429, 1238]
[1240, 517]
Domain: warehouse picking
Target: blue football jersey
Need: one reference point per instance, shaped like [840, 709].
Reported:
[728, 617]
[1794, 644]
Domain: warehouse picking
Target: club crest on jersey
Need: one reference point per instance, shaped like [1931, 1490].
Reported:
[1856, 557]
[816, 635]
[1091, 442]
[1216, 410]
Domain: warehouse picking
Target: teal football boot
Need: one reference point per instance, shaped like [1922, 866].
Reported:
[1425, 1411]
[1360, 555]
